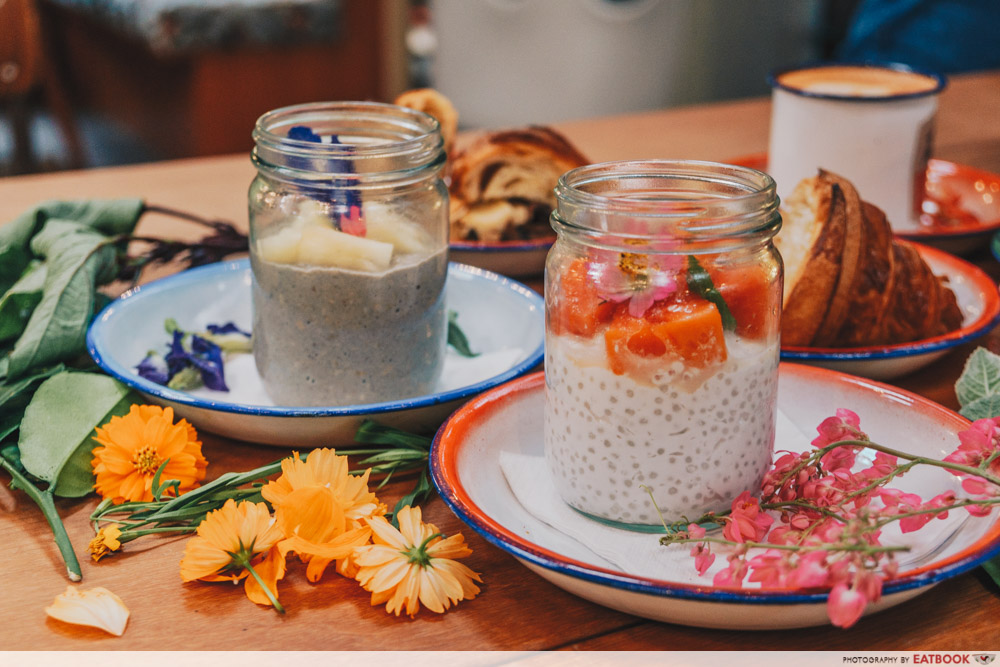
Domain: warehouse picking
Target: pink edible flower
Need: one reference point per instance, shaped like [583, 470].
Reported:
[846, 425]
[746, 522]
[732, 575]
[703, 557]
[845, 606]
[810, 572]
[978, 443]
[770, 568]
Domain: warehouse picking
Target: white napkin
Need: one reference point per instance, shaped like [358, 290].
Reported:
[639, 554]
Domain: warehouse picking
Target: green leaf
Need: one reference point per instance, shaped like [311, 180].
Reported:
[186, 379]
[980, 378]
[701, 284]
[58, 326]
[986, 407]
[457, 338]
[112, 217]
[420, 492]
[58, 426]
[15, 394]
[20, 300]
[992, 568]
[378, 434]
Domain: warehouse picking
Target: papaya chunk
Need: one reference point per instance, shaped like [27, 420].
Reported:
[578, 309]
[752, 295]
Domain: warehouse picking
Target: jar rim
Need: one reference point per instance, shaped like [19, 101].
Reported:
[732, 200]
[382, 138]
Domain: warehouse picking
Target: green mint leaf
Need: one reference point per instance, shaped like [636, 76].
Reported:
[979, 379]
[20, 300]
[58, 427]
[986, 407]
[701, 284]
[457, 338]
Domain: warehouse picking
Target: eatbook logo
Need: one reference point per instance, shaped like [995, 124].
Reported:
[985, 658]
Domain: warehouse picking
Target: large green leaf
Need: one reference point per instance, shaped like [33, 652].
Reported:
[15, 394]
[110, 216]
[986, 407]
[20, 300]
[75, 256]
[60, 420]
[980, 377]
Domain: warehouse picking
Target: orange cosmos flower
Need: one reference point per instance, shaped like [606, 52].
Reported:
[136, 445]
[414, 565]
[320, 508]
[233, 542]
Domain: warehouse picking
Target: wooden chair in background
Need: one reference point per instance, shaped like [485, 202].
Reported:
[27, 74]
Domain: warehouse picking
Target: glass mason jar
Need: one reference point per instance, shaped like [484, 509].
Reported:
[348, 246]
[662, 305]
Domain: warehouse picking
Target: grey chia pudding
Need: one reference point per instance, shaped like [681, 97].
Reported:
[696, 437]
[347, 321]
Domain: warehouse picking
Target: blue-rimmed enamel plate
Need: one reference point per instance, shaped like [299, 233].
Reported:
[503, 320]
[977, 297]
[507, 421]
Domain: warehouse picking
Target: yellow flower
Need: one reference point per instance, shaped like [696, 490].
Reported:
[233, 542]
[320, 508]
[414, 565]
[105, 542]
[97, 607]
[136, 445]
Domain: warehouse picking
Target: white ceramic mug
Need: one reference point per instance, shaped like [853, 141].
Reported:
[871, 124]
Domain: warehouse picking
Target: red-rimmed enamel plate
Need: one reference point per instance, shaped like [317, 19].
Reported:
[466, 469]
[977, 297]
[517, 259]
[961, 209]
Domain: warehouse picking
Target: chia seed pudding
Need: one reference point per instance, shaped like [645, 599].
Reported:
[695, 437]
[330, 329]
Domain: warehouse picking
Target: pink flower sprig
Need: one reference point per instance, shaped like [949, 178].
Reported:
[829, 514]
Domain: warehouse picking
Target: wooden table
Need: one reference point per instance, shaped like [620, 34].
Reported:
[516, 609]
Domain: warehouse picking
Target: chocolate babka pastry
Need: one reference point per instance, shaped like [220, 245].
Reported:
[848, 282]
[502, 183]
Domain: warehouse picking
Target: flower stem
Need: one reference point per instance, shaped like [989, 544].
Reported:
[947, 465]
[267, 589]
[46, 502]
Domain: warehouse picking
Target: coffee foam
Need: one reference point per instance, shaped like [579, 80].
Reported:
[857, 81]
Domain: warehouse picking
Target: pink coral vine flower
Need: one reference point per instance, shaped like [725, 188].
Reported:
[746, 521]
[980, 441]
[845, 605]
[649, 274]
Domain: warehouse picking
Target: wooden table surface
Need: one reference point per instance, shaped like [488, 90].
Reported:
[516, 609]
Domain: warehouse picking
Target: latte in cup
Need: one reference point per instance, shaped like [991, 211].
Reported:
[872, 124]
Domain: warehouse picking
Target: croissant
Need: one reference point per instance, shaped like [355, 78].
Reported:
[848, 282]
[502, 184]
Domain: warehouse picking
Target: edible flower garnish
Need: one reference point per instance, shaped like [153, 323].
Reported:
[346, 200]
[97, 607]
[321, 508]
[141, 444]
[639, 278]
[414, 565]
[238, 542]
[105, 542]
[194, 359]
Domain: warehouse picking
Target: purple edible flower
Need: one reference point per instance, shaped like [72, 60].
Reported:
[227, 328]
[345, 199]
[204, 355]
[154, 369]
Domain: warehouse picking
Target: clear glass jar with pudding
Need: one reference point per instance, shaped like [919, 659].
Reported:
[348, 249]
[663, 302]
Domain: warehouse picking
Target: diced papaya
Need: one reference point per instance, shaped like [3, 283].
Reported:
[694, 332]
[578, 309]
[752, 295]
[690, 328]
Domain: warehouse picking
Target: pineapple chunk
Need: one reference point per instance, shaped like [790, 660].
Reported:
[406, 237]
[325, 246]
[282, 247]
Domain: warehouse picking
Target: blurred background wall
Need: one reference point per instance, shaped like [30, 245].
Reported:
[88, 83]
